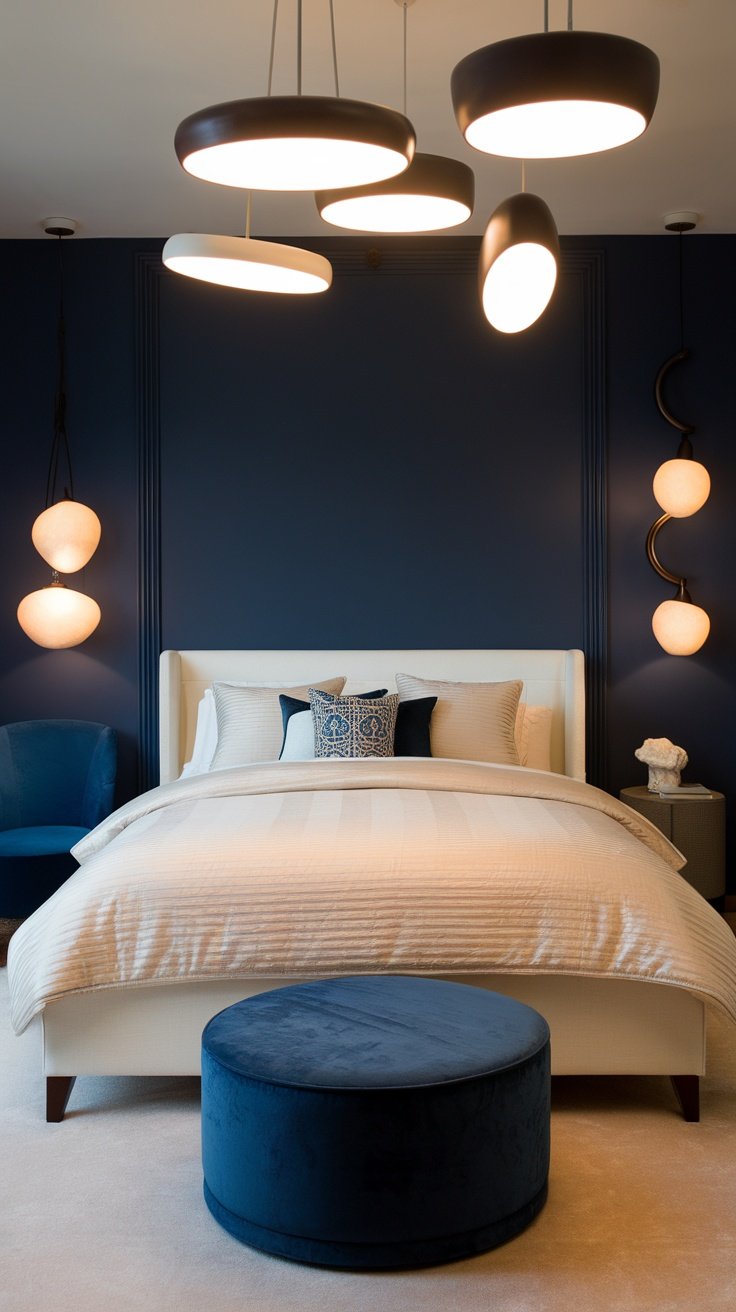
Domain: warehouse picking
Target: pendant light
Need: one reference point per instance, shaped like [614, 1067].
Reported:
[519, 259]
[681, 487]
[435, 191]
[66, 534]
[549, 95]
[295, 143]
[247, 263]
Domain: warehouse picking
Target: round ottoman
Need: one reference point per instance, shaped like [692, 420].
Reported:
[375, 1121]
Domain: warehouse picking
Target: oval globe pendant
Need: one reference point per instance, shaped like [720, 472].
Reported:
[680, 627]
[519, 259]
[57, 616]
[67, 535]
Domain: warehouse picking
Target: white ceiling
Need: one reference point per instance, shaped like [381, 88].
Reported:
[91, 92]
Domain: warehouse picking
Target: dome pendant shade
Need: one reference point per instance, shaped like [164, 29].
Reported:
[248, 264]
[57, 616]
[295, 143]
[680, 627]
[433, 193]
[555, 94]
[519, 257]
[67, 535]
[681, 487]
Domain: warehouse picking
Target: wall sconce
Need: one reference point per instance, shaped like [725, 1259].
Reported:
[681, 487]
[66, 534]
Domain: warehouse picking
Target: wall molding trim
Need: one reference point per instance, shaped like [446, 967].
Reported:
[357, 258]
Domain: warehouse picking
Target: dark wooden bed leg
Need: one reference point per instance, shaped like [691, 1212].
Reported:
[687, 1092]
[58, 1089]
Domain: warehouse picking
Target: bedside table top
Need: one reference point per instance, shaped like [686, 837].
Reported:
[642, 793]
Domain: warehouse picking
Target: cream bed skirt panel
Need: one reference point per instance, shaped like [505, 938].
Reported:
[599, 1027]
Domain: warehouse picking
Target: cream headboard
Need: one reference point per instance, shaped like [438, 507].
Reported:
[551, 678]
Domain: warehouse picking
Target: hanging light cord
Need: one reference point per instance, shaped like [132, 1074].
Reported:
[299, 61]
[273, 45]
[60, 440]
[405, 28]
[682, 311]
[546, 15]
[334, 48]
[248, 207]
[523, 175]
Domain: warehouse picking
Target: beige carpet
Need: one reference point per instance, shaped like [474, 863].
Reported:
[103, 1213]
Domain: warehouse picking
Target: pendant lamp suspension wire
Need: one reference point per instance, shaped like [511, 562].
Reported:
[299, 43]
[60, 440]
[334, 48]
[523, 175]
[298, 47]
[569, 15]
[682, 311]
[405, 8]
[273, 45]
[248, 208]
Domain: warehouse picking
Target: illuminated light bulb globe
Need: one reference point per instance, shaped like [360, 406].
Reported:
[681, 487]
[519, 255]
[66, 535]
[680, 627]
[57, 616]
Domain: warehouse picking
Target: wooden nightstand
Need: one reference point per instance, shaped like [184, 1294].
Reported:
[697, 828]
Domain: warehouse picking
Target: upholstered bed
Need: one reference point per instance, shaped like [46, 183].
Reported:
[230, 882]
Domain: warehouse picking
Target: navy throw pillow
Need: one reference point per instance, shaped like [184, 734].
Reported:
[412, 727]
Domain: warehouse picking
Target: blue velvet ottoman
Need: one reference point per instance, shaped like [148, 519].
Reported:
[375, 1121]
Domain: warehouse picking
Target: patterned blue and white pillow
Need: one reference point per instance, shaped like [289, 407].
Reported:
[350, 726]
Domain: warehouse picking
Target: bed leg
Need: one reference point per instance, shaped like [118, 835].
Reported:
[58, 1089]
[687, 1092]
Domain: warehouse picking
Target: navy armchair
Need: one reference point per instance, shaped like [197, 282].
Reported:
[57, 779]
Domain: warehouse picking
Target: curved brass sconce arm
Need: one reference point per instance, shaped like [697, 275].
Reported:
[656, 564]
[666, 413]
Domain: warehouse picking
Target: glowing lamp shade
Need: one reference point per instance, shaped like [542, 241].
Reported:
[295, 143]
[518, 263]
[57, 616]
[681, 487]
[248, 264]
[555, 94]
[66, 535]
[680, 627]
[434, 192]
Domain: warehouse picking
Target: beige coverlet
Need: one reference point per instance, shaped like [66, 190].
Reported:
[314, 868]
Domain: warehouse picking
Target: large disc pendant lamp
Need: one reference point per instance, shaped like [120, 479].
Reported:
[550, 95]
[67, 533]
[519, 258]
[681, 487]
[295, 143]
[435, 192]
[247, 263]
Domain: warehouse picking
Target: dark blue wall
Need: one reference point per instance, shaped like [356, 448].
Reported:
[376, 467]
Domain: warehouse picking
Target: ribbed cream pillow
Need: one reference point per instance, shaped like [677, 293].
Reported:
[249, 725]
[471, 721]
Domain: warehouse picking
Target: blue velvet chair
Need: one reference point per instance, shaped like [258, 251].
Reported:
[57, 779]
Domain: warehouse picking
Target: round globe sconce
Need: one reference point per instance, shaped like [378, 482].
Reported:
[680, 627]
[519, 259]
[551, 95]
[57, 616]
[681, 487]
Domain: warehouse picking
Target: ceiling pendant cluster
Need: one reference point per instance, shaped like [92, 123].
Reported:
[67, 533]
[549, 95]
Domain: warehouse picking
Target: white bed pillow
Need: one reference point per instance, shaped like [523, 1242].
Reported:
[471, 721]
[533, 734]
[249, 724]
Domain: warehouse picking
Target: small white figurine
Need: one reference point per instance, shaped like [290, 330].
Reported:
[664, 759]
